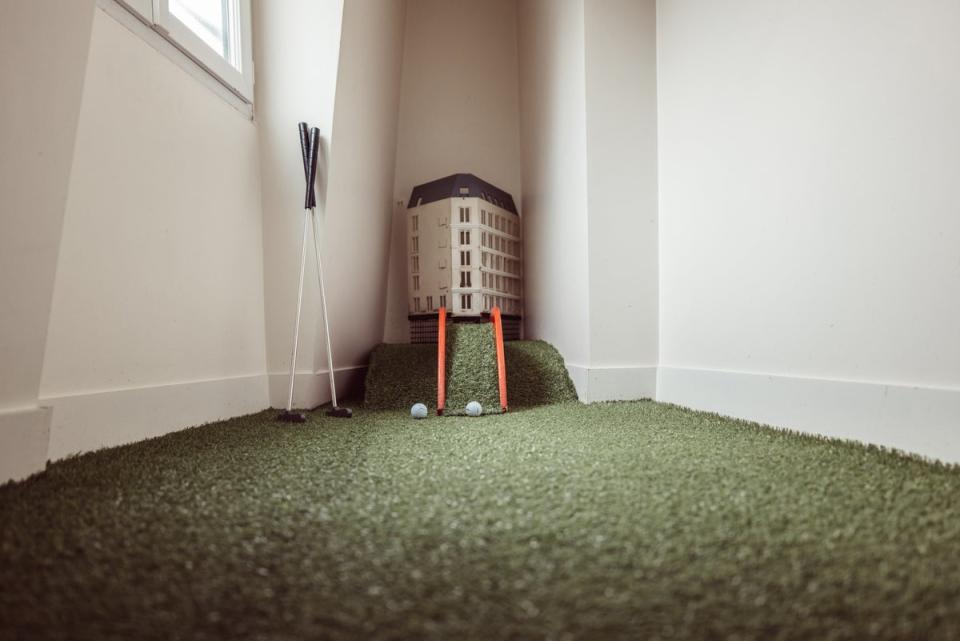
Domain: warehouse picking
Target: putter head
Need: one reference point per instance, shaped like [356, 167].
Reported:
[340, 412]
[291, 417]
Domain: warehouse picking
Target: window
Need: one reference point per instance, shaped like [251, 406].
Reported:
[465, 237]
[416, 303]
[416, 244]
[464, 258]
[442, 263]
[466, 301]
[483, 258]
[464, 214]
[215, 34]
[465, 279]
[415, 264]
[443, 301]
[483, 216]
[416, 223]
[429, 303]
[416, 283]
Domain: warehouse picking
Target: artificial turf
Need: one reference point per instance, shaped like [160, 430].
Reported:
[609, 521]
[401, 375]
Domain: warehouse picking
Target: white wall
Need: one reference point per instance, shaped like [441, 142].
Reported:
[43, 52]
[809, 220]
[297, 53]
[588, 124]
[554, 202]
[360, 203]
[621, 115]
[459, 112]
[159, 287]
[336, 66]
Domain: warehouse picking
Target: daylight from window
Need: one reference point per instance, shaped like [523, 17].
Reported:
[211, 21]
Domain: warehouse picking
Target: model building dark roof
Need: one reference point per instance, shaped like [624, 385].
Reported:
[460, 186]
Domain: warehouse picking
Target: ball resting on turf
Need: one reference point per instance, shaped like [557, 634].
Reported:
[419, 410]
[474, 408]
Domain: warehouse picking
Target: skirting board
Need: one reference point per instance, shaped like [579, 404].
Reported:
[311, 389]
[86, 422]
[24, 439]
[613, 383]
[921, 420]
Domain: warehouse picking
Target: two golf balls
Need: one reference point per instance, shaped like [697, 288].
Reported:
[419, 410]
[474, 409]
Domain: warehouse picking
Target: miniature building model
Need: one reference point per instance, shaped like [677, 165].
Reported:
[464, 253]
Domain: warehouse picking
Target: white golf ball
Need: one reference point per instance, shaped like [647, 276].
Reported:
[474, 408]
[419, 410]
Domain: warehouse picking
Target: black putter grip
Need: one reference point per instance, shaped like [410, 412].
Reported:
[309, 199]
[312, 173]
[305, 147]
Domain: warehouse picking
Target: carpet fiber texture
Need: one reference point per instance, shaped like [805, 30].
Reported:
[401, 375]
[608, 521]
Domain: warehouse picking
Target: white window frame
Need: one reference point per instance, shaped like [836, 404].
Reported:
[156, 15]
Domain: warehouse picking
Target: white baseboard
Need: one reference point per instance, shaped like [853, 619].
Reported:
[86, 422]
[921, 420]
[616, 383]
[311, 389]
[24, 439]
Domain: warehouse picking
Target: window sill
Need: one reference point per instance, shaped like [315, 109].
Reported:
[123, 15]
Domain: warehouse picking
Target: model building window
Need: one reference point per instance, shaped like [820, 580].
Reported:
[465, 258]
[464, 237]
[416, 243]
[416, 303]
[416, 283]
[465, 279]
[464, 214]
[499, 264]
[416, 223]
[429, 303]
[483, 216]
[415, 264]
[443, 301]
[466, 301]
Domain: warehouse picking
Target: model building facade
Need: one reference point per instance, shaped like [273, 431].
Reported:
[464, 246]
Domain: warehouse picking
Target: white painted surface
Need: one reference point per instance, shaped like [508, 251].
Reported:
[922, 420]
[159, 281]
[312, 388]
[612, 383]
[297, 52]
[90, 421]
[24, 437]
[554, 201]
[43, 53]
[621, 108]
[458, 112]
[810, 223]
[359, 201]
[809, 219]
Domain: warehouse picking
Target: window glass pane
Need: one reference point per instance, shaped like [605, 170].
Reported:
[210, 20]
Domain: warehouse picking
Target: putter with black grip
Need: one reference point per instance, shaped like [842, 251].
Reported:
[310, 149]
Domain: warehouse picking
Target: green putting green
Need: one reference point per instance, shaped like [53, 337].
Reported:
[609, 521]
[401, 375]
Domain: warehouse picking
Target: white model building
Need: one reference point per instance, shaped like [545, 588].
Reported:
[464, 251]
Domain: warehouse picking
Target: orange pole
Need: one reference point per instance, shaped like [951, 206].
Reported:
[441, 360]
[501, 360]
